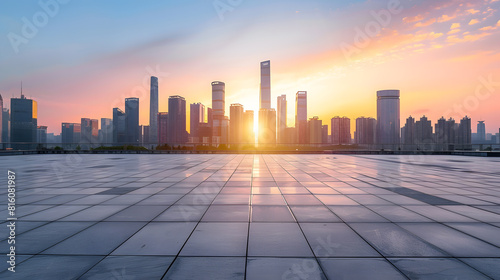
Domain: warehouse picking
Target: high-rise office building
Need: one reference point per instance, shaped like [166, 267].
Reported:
[315, 130]
[177, 133]
[119, 127]
[365, 131]
[267, 127]
[90, 131]
[423, 131]
[265, 85]
[220, 123]
[70, 135]
[301, 117]
[163, 128]
[41, 134]
[218, 99]
[23, 123]
[5, 127]
[409, 132]
[132, 120]
[106, 138]
[464, 134]
[145, 131]
[388, 117]
[248, 124]
[481, 132]
[445, 133]
[236, 124]
[281, 119]
[153, 112]
[341, 130]
[324, 134]
[197, 116]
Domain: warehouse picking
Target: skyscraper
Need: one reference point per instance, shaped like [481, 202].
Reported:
[177, 134]
[90, 130]
[132, 120]
[445, 133]
[23, 123]
[41, 135]
[119, 127]
[301, 117]
[423, 131]
[267, 127]
[315, 130]
[220, 123]
[5, 127]
[218, 100]
[481, 132]
[281, 119]
[70, 135]
[464, 135]
[324, 134]
[197, 116]
[365, 131]
[236, 124]
[248, 123]
[409, 135]
[106, 131]
[341, 131]
[265, 85]
[388, 118]
[153, 112]
[163, 128]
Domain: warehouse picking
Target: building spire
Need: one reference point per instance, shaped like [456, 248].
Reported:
[22, 96]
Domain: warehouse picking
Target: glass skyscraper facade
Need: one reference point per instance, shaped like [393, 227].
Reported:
[265, 85]
[153, 112]
[23, 123]
[388, 117]
[132, 120]
[301, 117]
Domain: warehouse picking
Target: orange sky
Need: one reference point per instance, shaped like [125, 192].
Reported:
[440, 55]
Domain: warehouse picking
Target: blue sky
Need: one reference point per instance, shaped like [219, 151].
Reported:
[93, 54]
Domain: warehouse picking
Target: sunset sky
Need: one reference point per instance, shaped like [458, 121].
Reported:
[88, 56]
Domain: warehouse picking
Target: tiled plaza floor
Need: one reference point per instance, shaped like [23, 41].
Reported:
[253, 217]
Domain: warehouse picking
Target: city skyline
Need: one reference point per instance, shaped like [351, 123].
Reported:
[450, 57]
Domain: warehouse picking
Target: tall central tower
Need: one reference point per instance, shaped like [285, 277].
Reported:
[265, 85]
[153, 112]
